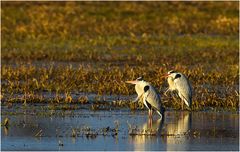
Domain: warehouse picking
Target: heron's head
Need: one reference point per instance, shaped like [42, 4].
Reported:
[138, 80]
[171, 71]
[171, 74]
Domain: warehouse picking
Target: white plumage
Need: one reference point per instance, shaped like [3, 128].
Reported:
[178, 82]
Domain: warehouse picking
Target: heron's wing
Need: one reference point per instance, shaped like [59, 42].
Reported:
[152, 97]
[184, 89]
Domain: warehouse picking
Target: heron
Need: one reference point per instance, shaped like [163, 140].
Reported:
[149, 95]
[178, 82]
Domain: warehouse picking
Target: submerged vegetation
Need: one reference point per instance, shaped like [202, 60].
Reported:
[66, 48]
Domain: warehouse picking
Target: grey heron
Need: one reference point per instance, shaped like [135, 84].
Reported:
[178, 82]
[148, 94]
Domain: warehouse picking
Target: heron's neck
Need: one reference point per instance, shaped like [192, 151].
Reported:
[171, 83]
[138, 89]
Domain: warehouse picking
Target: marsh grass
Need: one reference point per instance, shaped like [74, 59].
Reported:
[111, 42]
[214, 89]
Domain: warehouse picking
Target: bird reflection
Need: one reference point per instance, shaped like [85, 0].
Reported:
[145, 133]
[177, 130]
[5, 130]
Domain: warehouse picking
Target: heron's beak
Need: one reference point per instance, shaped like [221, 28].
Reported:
[132, 82]
[166, 75]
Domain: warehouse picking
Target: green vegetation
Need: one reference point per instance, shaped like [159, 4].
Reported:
[65, 47]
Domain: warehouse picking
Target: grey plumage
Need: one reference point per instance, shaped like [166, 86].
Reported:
[148, 95]
[152, 97]
[178, 82]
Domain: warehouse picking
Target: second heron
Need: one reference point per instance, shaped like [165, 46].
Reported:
[178, 82]
[149, 95]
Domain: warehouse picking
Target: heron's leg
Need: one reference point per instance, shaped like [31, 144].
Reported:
[150, 122]
[150, 113]
[182, 104]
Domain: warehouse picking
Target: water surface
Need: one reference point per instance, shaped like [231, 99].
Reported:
[35, 128]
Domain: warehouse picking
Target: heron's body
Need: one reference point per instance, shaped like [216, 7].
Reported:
[178, 82]
[148, 95]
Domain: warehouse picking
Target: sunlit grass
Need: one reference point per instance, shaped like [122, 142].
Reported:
[29, 80]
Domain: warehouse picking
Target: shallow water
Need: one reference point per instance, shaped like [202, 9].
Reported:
[35, 128]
